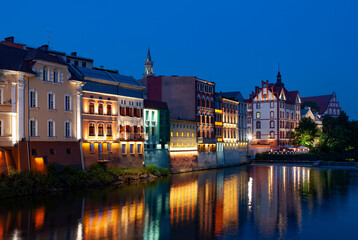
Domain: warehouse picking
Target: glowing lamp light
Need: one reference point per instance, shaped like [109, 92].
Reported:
[249, 136]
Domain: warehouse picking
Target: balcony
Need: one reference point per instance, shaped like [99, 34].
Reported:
[127, 136]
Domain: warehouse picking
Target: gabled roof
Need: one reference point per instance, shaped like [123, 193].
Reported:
[39, 54]
[108, 75]
[155, 104]
[12, 58]
[322, 101]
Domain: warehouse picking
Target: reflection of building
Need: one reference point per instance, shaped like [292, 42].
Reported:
[273, 113]
[112, 118]
[328, 104]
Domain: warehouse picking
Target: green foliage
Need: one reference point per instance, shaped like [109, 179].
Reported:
[306, 133]
[54, 179]
[313, 105]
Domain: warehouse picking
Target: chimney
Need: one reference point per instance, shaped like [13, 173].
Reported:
[74, 54]
[101, 67]
[9, 39]
[44, 47]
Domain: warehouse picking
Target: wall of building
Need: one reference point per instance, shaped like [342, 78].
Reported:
[207, 160]
[234, 155]
[157, 157]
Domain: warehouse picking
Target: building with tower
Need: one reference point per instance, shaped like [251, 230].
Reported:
[148, 64]
[273, 113]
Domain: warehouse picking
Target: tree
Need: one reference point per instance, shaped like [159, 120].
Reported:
[313, 105]
[306, 133]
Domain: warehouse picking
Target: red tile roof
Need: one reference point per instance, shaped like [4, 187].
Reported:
[322, 101]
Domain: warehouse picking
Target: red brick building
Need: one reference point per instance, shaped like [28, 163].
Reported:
[328, 104]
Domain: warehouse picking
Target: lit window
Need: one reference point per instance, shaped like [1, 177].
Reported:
[131, 148]
[109, 129]
[258, 115]
[109, 147]
[91, 107]
[123, 149]
[139, 148]
[100, 109]
[171, 134]
[109, 109]
[100, 129]
[91, 129]
[91, 147]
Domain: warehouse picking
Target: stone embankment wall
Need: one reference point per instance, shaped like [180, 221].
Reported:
[158, 157]
[183, 161]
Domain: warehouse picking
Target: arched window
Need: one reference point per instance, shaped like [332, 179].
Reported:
[91, 108]
[109, 109]
[45, 74]
[91, 130]
[100, 129]
[55, 76]
[258, 135]
[272, 134]
[271, 114]
[100, 108]
[109, 130]
[272, 124]
[258, 115]
[258, 125]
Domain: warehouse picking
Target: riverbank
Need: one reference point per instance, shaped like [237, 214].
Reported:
[18, 184]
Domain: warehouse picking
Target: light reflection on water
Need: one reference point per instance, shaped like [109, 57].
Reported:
[266, 202]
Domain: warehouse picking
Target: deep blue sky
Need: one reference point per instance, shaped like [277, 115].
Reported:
[234, 43]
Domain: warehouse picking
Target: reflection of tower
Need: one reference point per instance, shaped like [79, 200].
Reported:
[148, 64]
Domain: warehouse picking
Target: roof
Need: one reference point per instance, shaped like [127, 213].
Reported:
[12, 58]
[233, 95]
[107, 75]
[322, 101]
[39, 54]
[304, 111]
[155, 104]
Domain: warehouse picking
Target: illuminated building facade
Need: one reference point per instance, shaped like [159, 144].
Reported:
[113, 130]
[182, 136]
[39, 107]
[273, 113]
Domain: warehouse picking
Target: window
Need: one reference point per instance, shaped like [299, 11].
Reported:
[258, 135]
[131, 148]
[272, 104]
[100, 129]
[45, 74]
[258, 115]
[51, 128]
[91, 129]
[68, 103]
[91, 108]
[139, 148]
[52, 151]
[109, 147]
[272, 134]
[1, 127]
[272, 124]
[109, 109]
[91, 147]
[123, 148]
[257, 105]
[258, 125]
[100, 108]
[76, 63]
[68, 132]
[51, 101]
[249, 120]
[34, 151]
[271, 114]
[33, 98]
[68, 150]
[109, 130]
[55, 76]
[33, 127]
[84, 64]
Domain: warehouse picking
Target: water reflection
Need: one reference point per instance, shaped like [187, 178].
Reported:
[267, 202]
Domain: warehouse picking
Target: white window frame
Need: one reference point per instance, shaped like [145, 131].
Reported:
[58, 76]
[53, 128]
[54, 101]
[70, 129]
[36, 98]
[65, 103]
[1, 96]
[1, 127]
[45, 74]
[36, 127]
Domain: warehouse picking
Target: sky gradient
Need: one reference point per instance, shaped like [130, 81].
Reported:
[234, 43]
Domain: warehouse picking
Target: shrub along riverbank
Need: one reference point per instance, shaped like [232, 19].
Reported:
[18, 184]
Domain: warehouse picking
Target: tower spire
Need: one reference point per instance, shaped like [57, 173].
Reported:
[148, 65]
[279, 78]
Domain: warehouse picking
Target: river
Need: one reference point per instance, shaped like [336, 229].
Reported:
[247, 202]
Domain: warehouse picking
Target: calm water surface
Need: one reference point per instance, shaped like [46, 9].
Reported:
[254, 202]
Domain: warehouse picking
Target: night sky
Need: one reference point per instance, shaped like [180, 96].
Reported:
[234, 43]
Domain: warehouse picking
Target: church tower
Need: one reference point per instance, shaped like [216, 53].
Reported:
[148, 65]
[279, 80]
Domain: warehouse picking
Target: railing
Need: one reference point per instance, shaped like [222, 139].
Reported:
[104, 157]
[131, 136]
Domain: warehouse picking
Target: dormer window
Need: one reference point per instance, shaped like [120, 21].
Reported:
[45, 74]
[55, 76]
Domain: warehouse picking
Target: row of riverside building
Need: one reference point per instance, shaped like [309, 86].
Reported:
[60, 109]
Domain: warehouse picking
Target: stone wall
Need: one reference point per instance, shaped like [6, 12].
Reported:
[234, 156]
[207, 160]
[183, 161]
[157, 157]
